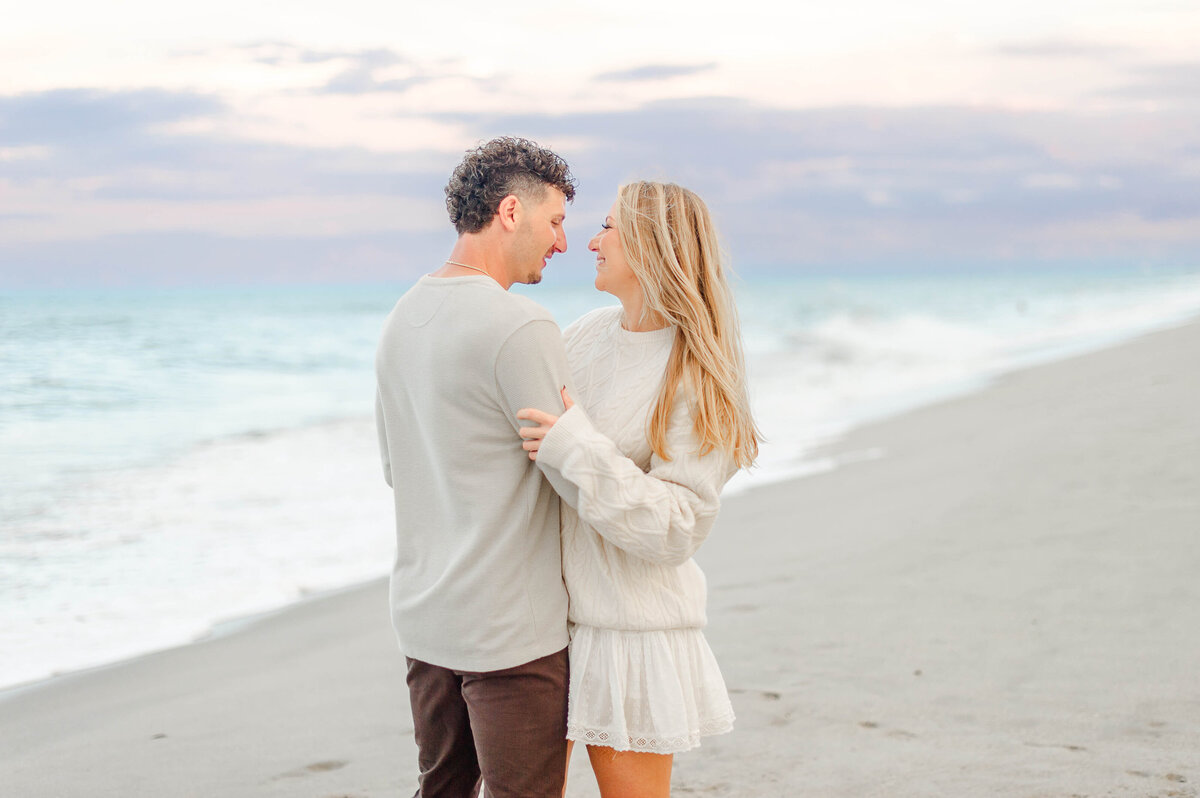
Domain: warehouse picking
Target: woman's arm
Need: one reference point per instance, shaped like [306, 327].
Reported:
[661, 515]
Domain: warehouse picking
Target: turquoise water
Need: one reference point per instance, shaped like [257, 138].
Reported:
[169, 459]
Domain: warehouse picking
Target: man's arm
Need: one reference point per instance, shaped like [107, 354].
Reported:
[531, 370]
[381, 428]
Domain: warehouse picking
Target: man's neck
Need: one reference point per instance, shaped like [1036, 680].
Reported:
[472, 257]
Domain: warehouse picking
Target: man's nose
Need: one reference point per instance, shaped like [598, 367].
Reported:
[560, 242]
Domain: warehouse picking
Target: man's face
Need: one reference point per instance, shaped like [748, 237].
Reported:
[540, 234]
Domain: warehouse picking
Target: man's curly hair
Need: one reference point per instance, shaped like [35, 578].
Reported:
[503, 166]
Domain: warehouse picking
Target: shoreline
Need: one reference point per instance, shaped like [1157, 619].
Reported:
[1000, 604]
[821, 459]
[240, 624]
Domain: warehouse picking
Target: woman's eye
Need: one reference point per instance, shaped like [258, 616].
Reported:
[606, 226]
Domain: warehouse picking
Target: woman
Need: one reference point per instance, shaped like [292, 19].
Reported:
[663, 421]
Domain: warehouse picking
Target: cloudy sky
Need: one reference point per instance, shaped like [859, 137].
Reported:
[178, 144]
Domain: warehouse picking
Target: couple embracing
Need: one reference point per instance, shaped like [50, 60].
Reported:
[551, 487]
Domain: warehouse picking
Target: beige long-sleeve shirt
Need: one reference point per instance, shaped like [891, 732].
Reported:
[477, 582]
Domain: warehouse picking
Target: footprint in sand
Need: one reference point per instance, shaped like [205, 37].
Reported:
[320, 767]
[769, 695]
[781, 716]
[315, 767]
[899, 734]
[1064, 746]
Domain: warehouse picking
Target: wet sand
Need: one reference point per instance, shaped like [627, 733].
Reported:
[1003, 602]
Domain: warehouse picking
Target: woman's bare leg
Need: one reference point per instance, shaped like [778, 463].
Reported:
[570, 748]
[631, 774]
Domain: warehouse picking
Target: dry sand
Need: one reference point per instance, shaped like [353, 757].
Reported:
[1005, 602]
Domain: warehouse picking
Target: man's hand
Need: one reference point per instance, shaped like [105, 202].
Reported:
[533, 435]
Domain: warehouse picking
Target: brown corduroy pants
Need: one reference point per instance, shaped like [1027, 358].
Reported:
[508, 727]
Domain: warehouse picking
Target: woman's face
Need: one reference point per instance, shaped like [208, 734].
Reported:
[612, 270]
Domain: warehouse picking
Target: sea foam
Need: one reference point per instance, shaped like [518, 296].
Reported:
[172, 461]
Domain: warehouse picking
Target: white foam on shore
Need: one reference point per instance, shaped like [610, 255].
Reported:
[149, 558]
[120, 562]
[811, 384]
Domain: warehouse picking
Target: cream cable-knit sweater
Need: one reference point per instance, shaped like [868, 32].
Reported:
[631, 521]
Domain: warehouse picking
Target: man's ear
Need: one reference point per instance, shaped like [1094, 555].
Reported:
[509, 212]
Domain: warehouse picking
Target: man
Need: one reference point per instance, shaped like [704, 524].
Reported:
[477, 596]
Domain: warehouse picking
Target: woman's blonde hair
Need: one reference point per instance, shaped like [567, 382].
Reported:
[671, 246]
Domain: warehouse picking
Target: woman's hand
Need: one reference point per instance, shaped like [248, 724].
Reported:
[544, 421]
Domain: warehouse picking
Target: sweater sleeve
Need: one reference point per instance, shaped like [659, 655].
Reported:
[531, 370]
[381, 429]
[661, 515]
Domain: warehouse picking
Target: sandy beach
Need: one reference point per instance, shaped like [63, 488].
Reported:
[998, 595]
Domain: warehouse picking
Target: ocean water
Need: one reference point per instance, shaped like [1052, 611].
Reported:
[171, 460]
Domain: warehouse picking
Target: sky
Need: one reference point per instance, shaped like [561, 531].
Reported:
[151, 143]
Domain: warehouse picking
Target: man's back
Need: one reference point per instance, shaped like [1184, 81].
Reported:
[477, 581]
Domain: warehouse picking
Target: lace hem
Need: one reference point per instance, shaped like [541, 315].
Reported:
[620, 741]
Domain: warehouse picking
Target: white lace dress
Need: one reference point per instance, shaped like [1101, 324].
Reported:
[642, 675]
